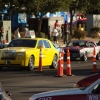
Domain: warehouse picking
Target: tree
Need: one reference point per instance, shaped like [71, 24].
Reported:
[45, 6]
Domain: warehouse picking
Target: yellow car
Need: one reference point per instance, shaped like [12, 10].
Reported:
[25, 52]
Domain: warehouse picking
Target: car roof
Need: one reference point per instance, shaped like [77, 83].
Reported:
[80, 40]
[31, 39]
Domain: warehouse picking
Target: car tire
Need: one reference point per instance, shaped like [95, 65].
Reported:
[98, 56]
[0, 68]
[31, 63]
[54, 62]
[84, 57]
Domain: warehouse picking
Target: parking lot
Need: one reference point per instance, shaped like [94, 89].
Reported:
[23, 84]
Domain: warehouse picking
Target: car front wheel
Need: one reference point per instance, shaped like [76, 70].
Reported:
[31, 63]
[84, 57]
[54, 63]
[98, 56]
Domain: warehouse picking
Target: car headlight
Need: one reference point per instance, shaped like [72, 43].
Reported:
[20, 54]
[76, 86]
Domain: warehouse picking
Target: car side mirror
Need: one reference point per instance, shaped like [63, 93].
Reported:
[8, 93]
[40, 47]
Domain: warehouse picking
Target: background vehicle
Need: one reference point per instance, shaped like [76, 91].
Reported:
[3, 46]
[81, 50]
[25, 53]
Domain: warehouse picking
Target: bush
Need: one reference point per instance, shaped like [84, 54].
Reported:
[80, 34]
[95, 29]
[42, 35]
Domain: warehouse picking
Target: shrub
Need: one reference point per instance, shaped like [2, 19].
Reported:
[95, 29]
[42, 35]
[80, 34]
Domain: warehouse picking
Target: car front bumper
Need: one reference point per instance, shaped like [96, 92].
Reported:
[12, 63]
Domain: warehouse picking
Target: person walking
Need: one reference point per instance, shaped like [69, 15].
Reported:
[17, 34]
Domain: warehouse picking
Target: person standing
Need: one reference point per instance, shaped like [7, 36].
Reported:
[55, 34]
[66, 31]
[58, 29]
[56, 24]
[48, 32]
[17, 34]
[1, 34]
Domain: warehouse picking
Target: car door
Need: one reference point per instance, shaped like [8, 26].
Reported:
[91, 46]
[48, 52]
[40, 43]
[94, 93]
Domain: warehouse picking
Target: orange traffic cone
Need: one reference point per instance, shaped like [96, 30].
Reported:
[68, 63]
[40, 60]
[60, 64]
[94, 61]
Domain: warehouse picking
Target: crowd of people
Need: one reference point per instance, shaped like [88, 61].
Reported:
[58, 31]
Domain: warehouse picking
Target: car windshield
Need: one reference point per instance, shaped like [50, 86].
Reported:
[22, 43]
[76, 43]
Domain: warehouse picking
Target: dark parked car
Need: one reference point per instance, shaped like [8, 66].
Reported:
[81, 50]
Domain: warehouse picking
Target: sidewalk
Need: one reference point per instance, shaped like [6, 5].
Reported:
[61, 44]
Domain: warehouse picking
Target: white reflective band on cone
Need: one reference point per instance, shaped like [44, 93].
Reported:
[94, 56]
[62, 65]
[61, 57]
[40, 55]
[94, 63]
[68, 65]
[68, 57]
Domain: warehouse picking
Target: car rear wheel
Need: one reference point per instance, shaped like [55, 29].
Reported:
[31, 63]
[84, 57]
[98, 56]
[54, 62]
[0, 68]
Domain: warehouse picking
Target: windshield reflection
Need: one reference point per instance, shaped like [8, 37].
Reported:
[22, 43]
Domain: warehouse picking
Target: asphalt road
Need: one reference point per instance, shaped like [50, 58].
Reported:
[23, 84]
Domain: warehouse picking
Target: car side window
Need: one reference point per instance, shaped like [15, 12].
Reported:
[40, 43]
[91, 44]
[96, 89]
[46, 44]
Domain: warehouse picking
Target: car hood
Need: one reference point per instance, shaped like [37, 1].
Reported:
[59, 92]
[18, 49]
[74, 48]
[88, 80]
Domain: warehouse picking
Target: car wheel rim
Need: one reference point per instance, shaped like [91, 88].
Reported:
[98, 56]
[31, 63]
[85, 58]
[55, 63]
